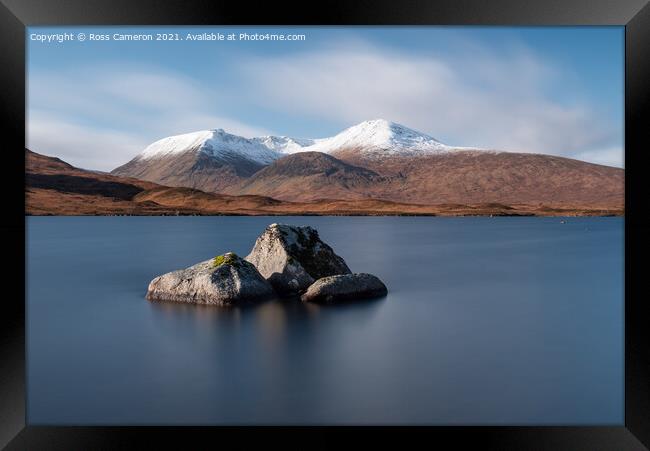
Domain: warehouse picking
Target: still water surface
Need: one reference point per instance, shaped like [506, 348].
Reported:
[487, 321]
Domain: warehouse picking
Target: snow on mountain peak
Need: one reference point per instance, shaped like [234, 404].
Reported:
[284, 144]
[175, 144]
[216, 142]
[377, 136]
[380, 135]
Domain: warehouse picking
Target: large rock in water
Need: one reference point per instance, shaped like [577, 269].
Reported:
[291, 258]
[224, 280]
[348, 287]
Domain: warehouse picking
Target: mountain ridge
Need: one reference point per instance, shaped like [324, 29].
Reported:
[407, 166]
[372, 134]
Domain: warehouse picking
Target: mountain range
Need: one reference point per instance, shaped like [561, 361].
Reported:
[375, 159]
[218, 161]
[375, 167]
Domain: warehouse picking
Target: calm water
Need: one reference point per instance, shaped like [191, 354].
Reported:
[487, 321]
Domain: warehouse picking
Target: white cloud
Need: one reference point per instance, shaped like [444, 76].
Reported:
[80, 145]
[101, 117]
[469, 99]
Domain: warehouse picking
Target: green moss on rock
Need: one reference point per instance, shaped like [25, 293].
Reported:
[229, 258]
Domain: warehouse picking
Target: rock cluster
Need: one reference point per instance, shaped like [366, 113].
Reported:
[285, 261]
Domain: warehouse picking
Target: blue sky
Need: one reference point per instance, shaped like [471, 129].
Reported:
[554, 90]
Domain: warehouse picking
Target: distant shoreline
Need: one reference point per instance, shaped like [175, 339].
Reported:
[352, 214]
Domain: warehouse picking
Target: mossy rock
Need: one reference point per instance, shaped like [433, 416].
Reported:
[229, 258]
[223, 280]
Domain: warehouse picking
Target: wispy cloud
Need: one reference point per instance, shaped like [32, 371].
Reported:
[81, 145]
[101, 117]
[476, 98]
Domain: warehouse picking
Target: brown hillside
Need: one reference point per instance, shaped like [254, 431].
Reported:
[57, 188]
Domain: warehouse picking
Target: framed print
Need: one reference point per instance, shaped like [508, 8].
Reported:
[255, 219]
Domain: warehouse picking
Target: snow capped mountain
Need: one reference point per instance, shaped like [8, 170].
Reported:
[375, 136]
[380, 135]
[215, 160]
[216, 143]
[375, 159]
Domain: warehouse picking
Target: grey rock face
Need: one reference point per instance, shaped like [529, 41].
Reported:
[291, 258]
[224, 280]
[347, 287]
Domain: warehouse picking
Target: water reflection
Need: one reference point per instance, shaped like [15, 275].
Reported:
[274, 320]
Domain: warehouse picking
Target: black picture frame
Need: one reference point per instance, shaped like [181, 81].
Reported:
[15, 15]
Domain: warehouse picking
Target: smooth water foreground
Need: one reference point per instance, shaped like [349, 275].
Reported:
[487, 321]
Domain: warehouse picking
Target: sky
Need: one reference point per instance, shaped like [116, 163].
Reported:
[552, 90]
